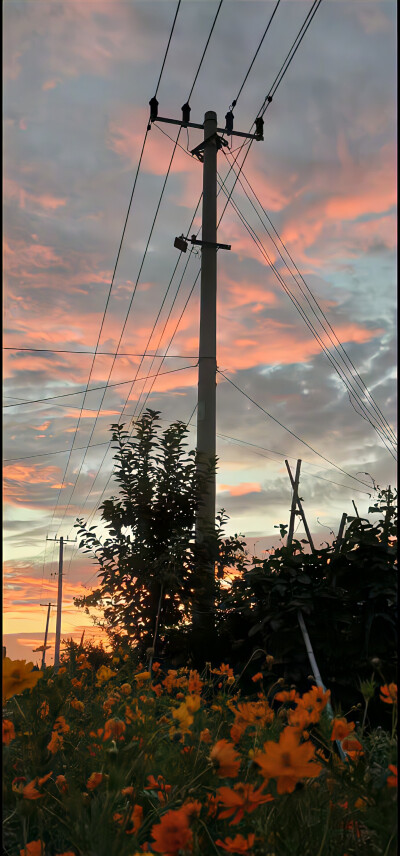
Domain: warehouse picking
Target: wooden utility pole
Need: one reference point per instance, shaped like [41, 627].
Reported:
[206, 152]
[59, 599]
[49, 605]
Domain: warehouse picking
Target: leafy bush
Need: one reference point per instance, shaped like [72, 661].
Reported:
[348, 598]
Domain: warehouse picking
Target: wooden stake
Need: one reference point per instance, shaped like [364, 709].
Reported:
[340, 533]
[295, 486]
[298, 501]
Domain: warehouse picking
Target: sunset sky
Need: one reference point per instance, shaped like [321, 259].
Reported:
[78, 77]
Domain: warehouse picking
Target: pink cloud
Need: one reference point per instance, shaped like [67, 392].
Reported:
[240, 489]
[51, 84]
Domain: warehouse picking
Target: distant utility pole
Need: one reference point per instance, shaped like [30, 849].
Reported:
[59, 600]
[43, 665]
[206, 152]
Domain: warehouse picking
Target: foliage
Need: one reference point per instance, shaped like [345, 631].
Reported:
[149, 560]
[348, 599]
[117, 761]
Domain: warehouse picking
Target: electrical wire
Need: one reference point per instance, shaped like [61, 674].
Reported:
[293, 49]
[98, 353]
[145, 252]
[256, 53]
[114, 272]
[298, 306]
[82, 391]
[384, 423]
[336, 466]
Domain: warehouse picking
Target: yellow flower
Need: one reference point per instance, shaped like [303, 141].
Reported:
[104, 674]
[18, 676]
[142, 676]
[126, 689]
[77, 705]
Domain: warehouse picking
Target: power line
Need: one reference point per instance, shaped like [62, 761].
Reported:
[113, 276]
[336, 466]
[148, 242]
[304, 28]
[296, 303]
[167, 48]
[256, 53]
[385, 425]
[286, 63]
[101, 353]
[93, 389]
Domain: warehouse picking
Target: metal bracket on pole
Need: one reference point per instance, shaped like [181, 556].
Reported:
[198, 149]
[181, 244]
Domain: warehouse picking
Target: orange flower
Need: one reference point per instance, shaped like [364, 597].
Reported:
[76, 683]
[56, 742]
[287, 761]
[192, 808]
[223, 670]
[158, 785]
[298, 718]
[224, 756]
[254, 713]
[30, 791]
[195, 683]
[157, 689]
[341, 728]
[156, 667]
[62, 670]
[391, 781]
[83, 662]
[34, 848]
[43, 710]
[242, 798]
[238, 844]
[170, 681]
[18, 675]
[352, 747]
[8, 731]
[61, 783]
[287, 695]
[133, 822]
[205, 736]
[314, 702]
[77, 705]
[172, 834]
[212, 805]
[128, 792]
[388, 693]
[61, 726]
[67, 853]
[126, 689]
[258, 677]
[94, 781]
[114, 728]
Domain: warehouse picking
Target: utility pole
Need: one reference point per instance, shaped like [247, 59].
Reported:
[206, 152]
[43, 665]
[59, 599]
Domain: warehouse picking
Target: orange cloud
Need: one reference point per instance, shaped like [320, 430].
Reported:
[240, 489]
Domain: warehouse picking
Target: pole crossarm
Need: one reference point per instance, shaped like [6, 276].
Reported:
[196, 125]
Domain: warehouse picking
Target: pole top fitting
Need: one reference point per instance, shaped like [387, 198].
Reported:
[210, 115]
